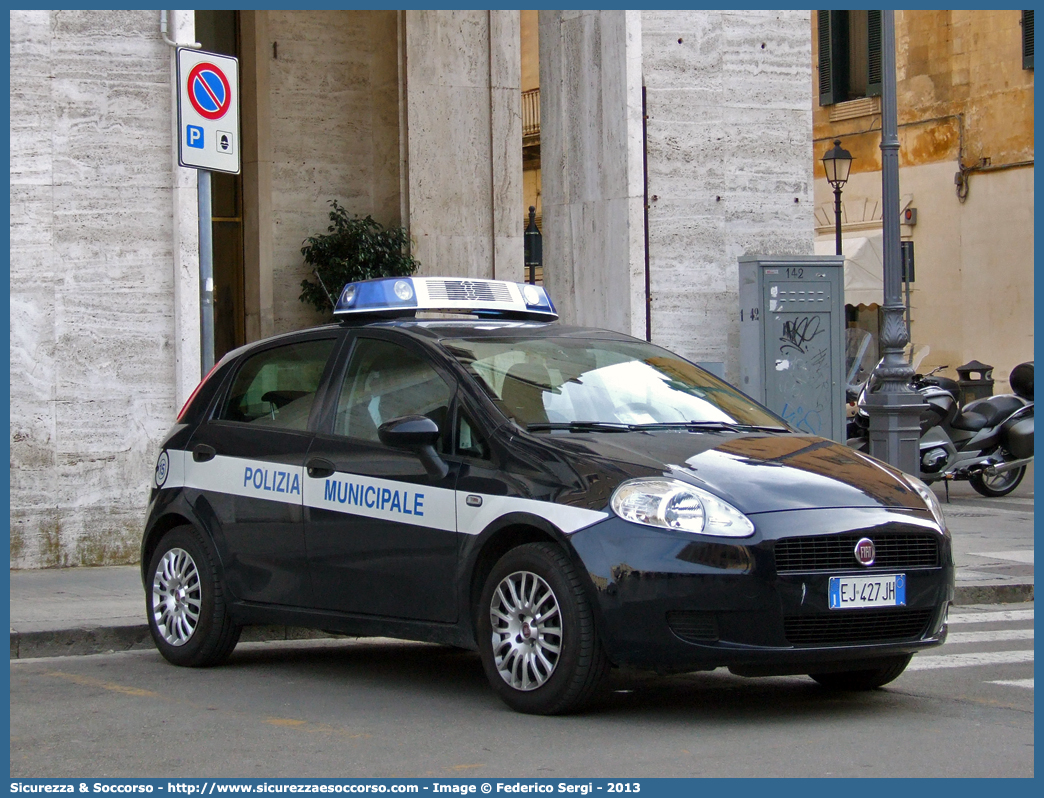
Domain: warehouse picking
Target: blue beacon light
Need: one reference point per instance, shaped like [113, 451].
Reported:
[404, 296]
[536, 297]
[385, 296]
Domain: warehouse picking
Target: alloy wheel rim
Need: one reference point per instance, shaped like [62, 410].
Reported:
[1000, 481]
[176, 597]
[527, 630]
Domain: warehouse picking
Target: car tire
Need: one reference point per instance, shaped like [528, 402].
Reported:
[537, 636]
[186, 601]
[866, 679]
[1000, 485]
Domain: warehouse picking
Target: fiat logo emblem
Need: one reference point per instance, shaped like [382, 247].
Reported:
[865, 551]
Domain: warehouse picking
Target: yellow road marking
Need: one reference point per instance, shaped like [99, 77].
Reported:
[113, 686]
[315, 728]
[292, 723]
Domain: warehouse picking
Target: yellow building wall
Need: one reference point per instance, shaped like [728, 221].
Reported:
[957, 72]
[965, 107]
[528, 24]
[530, 50]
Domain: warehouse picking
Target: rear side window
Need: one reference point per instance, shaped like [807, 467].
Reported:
[386, 381]
[276, 388]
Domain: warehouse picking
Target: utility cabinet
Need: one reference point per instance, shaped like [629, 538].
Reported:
[792, 339]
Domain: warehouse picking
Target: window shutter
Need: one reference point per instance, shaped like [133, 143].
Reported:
[873, 61]
[826, 66]
[1027, 40]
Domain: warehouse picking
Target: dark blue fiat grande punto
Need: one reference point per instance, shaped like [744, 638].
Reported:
[562, 499]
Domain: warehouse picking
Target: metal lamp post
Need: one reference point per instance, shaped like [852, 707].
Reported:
[533, 246]
[895, 409]
[837, 163]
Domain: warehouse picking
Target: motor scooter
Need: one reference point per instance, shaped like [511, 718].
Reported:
[988, 442]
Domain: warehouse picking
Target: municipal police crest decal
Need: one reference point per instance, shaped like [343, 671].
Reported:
[162, 468]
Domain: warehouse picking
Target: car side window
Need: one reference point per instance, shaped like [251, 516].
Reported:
[470, 442]
[276, 387]
[386, 381]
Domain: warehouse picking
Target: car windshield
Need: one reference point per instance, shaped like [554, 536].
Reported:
[575, 383]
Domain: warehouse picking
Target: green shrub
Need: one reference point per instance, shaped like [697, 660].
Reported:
[353, 249]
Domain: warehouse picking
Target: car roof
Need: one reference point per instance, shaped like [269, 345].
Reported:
[441, 329]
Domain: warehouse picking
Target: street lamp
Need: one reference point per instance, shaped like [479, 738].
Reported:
[837, 163]
[895, 408]
[532, 245]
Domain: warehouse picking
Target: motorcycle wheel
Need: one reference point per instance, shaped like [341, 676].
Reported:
[1000, 485]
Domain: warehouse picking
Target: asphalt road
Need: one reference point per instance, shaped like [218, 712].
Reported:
[340, 708]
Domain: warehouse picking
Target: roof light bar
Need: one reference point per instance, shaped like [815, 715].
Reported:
[403, 296]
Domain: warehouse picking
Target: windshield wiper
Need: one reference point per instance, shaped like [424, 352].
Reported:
[618, 426]
[712, 426]
[581, 426]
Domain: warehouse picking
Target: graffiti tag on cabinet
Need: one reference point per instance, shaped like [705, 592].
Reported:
[797, 335]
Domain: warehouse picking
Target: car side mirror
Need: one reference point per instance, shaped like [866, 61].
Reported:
[419, 434]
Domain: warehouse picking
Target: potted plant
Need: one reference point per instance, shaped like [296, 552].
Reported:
[352, 249]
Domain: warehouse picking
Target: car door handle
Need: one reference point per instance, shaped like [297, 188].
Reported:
[201, 452]
[318, 468]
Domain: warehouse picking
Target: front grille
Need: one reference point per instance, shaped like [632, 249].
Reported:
[856, 626]
[837, 552]
[693, 627]
[462, 290]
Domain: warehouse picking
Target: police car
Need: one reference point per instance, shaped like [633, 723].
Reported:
[564, 500]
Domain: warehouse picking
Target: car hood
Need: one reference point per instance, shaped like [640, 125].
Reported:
[754, 472]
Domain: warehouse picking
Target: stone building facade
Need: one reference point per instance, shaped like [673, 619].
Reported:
[412, 117]
[665, 202]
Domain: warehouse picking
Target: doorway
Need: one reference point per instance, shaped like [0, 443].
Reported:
[217, 31]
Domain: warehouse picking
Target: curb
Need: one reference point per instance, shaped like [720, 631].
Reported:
[110, 639]
[992, 594]
[72, 642]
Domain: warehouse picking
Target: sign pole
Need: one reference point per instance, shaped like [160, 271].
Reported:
[208, 141]
[206, 271]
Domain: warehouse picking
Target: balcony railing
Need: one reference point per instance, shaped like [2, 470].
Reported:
[531, 113]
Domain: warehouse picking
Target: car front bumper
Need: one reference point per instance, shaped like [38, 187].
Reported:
[675, 601]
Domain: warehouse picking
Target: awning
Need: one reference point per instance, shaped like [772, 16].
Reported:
[864, 266]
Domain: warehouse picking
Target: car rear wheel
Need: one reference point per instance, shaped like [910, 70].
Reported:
[537, 636]
[1000, 485]
[186, 603]
[865, 679]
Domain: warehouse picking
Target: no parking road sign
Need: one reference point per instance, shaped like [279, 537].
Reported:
[208, 111]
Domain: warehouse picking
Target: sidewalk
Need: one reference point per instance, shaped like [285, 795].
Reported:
[992, 543]
[92, 610]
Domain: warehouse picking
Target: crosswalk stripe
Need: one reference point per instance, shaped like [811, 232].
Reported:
[922, 663]
[1011, 507]
[989, 637]
[1015, 682]
[1020, 555]
[990, 616]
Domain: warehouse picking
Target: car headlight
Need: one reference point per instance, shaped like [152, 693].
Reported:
[929, 499]
[672, 504]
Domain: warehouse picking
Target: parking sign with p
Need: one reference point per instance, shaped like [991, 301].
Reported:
[208, 111]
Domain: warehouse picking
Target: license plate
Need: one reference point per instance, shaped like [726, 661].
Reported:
[850, 592]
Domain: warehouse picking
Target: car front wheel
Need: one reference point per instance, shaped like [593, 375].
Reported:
[186, 602]
[537, 635]
[864, 679]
